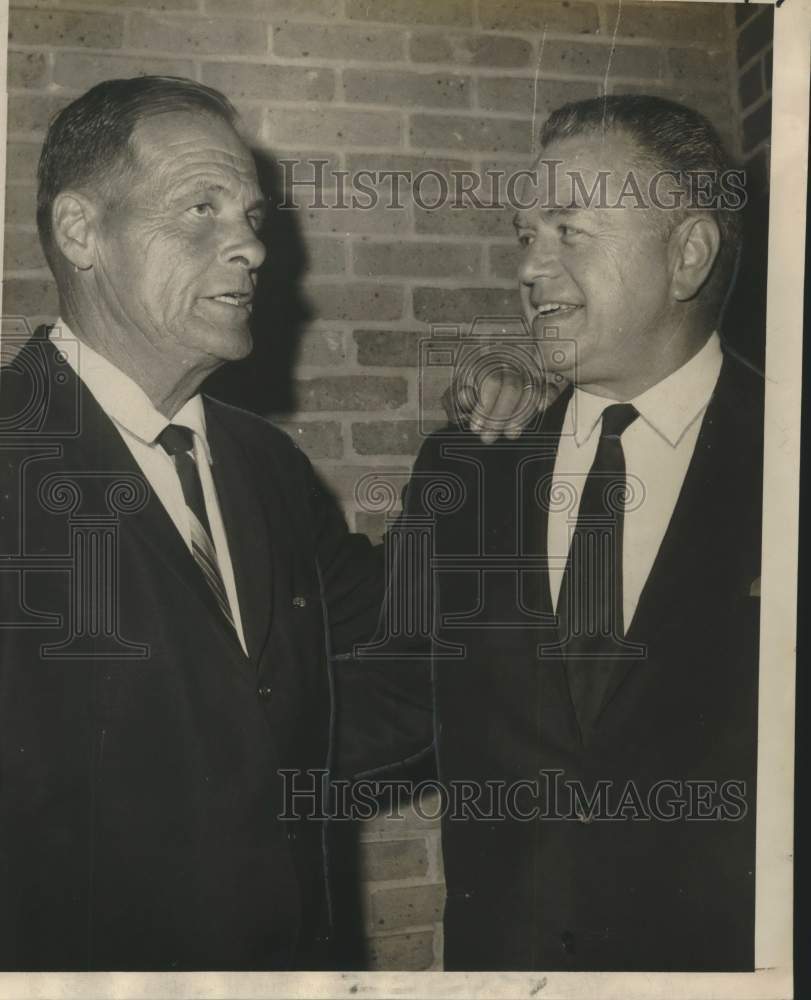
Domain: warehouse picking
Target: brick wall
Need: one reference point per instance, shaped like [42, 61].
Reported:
[375, 84]
[754, 30]
[754, 24]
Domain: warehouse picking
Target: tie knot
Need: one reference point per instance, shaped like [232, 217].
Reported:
[618, 418]
[175, 439]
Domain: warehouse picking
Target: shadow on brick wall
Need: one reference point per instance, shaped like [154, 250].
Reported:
[263, 382]
[744, 323]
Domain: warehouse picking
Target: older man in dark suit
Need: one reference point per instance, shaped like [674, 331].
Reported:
[595, 583]
[172, 575]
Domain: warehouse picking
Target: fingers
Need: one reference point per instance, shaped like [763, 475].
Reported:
[506, 406]
[499, 403]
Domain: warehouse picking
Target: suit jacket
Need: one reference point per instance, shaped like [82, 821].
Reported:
[140, 748]
[631, 880]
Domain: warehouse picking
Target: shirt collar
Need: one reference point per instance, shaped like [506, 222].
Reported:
[669, 407]
[122, 399]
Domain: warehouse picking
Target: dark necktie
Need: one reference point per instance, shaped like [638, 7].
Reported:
[178, 442]
[590, 602]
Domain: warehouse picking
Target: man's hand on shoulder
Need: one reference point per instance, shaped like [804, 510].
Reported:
[501, 400]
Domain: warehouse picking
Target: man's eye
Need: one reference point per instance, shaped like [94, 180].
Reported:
[202, 209]
[565, 230]
[256, 219]
[525, 239]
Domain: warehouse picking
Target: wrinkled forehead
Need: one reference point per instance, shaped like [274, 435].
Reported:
[179, 145]
[582, 171]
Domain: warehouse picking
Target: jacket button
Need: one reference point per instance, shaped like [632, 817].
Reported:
[299, 602]
[264, 693]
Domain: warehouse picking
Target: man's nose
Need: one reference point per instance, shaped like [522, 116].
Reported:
[540, 259]
[243, 246]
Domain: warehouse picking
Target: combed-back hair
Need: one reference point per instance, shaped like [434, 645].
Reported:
[671, 137]
[88, 144]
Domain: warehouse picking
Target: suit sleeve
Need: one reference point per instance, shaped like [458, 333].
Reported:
[383, 687]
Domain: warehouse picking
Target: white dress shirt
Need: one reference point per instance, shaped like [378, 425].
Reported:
[139, 423]
[657, 446]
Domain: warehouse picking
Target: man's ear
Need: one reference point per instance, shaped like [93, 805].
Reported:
[694, 245]
[73, 224]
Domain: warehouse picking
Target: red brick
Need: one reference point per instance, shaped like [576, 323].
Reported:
[26, 69]
[750, 85]
[380, 219]
[470, 50]
[165, 5]
[757, 35]
[317, 438]
[79, 71]
[269, 10]
[411, 163]
[31, 112]
[416, 259]
[595, 59]
[388, 348]
[669, 22]
[196, 35]
[297, 168]
[392, 437]
[757, 172]
[694, 66]
[437, 90]
[521, 94]
[468, 220]
[21, 161]
[757, 126]
[344, 480]
[445, 12]
[372, 525]
[411, 906]
[424, 820]
[462, 305]
[30, 297]
[406, 952]
[356, 300]
[387, 860]
[503, 260]
[325, 256]
[523, 15]
[21, 204]
[743, 11]
[31, 26]
[314, 126]
[270, 83]
[486, 135]
[305, 41]
[339, 393]
[322, 347]
[22, 251]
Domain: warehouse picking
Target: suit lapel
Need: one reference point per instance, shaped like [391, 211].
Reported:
[98, 448]
[680, 565]
[246, 528]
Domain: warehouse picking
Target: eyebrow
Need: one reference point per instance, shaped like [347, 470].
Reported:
[519, 219]
[202, 186]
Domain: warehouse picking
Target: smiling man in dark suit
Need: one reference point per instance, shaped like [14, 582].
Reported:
[594, 637]
[172, 575]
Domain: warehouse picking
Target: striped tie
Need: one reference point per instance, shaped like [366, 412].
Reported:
[178, 442]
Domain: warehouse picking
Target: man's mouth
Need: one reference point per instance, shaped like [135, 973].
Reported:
[555, 308]
[239, 300]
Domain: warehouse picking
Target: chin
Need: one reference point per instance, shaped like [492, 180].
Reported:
[231, 345]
